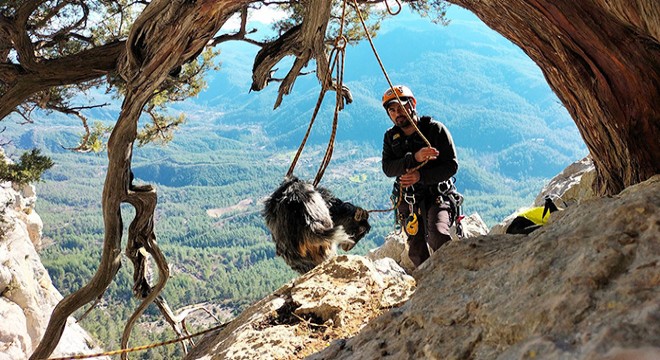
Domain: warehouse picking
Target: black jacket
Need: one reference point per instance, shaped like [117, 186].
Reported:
[399, 153]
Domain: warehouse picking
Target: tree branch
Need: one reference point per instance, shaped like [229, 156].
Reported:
[240, 34]
[305, 41]
[76, 68]
[167, 34]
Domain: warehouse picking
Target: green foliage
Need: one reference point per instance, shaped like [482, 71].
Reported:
[372, 13]
[185, 82]
[436, 10]
[28, 169]
[160, 131]
[64, 28]
[94, 139]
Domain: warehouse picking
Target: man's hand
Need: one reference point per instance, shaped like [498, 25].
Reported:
[427, 153]
[409, 179]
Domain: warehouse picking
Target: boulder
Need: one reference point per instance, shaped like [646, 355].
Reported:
[572, 186]
[332, 301]
[394, 247]
[473, 225]
[586, 286]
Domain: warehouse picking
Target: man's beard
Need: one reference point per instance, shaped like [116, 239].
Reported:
[403, 122]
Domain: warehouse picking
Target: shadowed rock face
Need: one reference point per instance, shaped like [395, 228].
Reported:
[585, 286]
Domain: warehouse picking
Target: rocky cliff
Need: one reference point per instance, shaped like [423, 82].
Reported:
[585, 286]
[27, 296]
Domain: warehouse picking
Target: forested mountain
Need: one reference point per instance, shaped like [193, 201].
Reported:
[511, 131]
[491, 96]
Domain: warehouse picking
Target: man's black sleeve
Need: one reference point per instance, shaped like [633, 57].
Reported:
[446, 165]
[393, 166]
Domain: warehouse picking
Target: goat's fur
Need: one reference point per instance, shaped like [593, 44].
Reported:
[308, 224]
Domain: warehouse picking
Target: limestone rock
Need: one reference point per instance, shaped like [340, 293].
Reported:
[27, 296]
[34, 226]
[333, 301]
[395, 247]
[473, 225]
[572, 186]
[586, 286]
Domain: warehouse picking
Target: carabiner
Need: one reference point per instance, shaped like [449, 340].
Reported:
[409, 199]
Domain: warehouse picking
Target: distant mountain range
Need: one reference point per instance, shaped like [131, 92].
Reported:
[505, 120]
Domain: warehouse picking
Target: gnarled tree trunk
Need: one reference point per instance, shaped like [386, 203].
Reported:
[602, 58]
[167, 33]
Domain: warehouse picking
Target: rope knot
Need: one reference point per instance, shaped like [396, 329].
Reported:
[340, 42]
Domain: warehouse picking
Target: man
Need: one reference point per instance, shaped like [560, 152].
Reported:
[425, 211]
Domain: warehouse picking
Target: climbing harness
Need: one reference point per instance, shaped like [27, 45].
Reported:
[448, 193]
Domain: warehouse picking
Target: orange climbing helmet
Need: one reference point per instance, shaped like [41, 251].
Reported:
[404, 93]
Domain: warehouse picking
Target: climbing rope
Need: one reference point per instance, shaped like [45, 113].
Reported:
[143, 347]
[337, 60]
[389, 82]
[337, 57]
[387, 77]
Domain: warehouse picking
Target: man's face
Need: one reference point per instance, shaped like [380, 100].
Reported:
[398, 114]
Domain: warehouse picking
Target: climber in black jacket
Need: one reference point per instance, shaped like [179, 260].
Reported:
[424, 212]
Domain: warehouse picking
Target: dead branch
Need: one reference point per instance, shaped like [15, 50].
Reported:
[240, 34]
[83, 146]
[304, 41]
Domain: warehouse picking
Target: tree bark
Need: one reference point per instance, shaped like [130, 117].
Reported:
[305, 41]
[167, 34]
[73, 69]
[602, 59]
